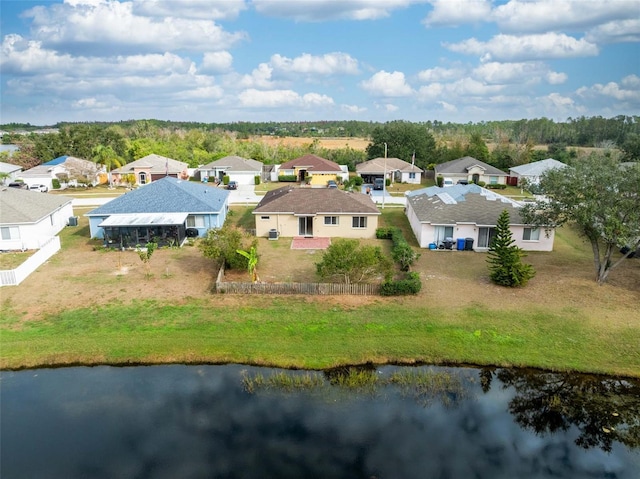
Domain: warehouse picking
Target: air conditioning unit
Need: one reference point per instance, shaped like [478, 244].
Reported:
[73, 221]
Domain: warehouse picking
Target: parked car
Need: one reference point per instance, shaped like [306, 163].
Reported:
[17, 184]
[378, 184]
[446, 183]
[232, 185]
[42, 188]
[332, 184]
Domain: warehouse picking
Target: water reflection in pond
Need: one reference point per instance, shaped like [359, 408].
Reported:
[389, 422]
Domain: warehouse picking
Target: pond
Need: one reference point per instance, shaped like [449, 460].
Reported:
[234, 421]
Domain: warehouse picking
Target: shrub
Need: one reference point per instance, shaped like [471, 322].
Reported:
[256, 180]
[291, 178]
[410, 285]
[357, 181]
[55, 183]
[440, 181]
[225, 180]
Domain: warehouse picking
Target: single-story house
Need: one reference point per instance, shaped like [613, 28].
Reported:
[395, 169]
[28, 219]
[312, 169]
[531, 172]
[148, 169]
[68, 170]
[12, 172]
[470, 170]
[316, 212]
[166, 211]
[469, 211]
[242, 170]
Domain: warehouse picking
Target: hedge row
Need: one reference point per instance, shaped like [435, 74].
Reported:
[404, 255]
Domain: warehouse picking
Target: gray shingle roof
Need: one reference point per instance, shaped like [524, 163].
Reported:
[22, 206]
[157, 163]
[379, 165]
[311, 201]
[167, 195]
[462, 204]
[234, 163]
[9, 168]
[461, 166]
[537, 167]
[313, 163]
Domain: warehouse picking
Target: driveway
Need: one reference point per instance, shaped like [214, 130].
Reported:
[382, 196]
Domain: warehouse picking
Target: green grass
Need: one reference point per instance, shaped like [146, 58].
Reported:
[290, 332]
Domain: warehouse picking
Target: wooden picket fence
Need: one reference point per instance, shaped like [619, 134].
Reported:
[329, 289]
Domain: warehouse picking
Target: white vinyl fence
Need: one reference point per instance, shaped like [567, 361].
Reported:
[13, 277]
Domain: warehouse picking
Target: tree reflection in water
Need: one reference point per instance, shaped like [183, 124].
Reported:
[604, 410]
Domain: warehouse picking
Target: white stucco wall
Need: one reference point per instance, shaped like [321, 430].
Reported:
[34, 235]
[287, 226]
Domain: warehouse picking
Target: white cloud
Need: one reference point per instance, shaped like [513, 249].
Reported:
[89, 103]
[615, 32]
[390, 107]
[627, 91]
[327, 64]
[553, 15]
[111, 26]
[431, 92]
[521, 72]
[216, 62]
[253, 98]
[447, 106]
[387, 84]
[457, 12]
[202, 9]
[440, 74]
[353, 108]
[323, 10]
[200, 93]
[259, 78]
[526, 47]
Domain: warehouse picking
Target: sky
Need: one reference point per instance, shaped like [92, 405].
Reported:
[219, 61]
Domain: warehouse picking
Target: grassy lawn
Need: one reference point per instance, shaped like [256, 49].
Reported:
[561, 321]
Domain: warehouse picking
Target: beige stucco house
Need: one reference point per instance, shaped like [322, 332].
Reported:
[316, 212]
[149, 168]
[470, 170]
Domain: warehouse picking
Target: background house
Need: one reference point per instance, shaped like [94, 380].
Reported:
[29, 219]
[165, 211]
[320, 212]
[68, 170]
[470, 170]
[9, 172]
[318, 170]
[148, 169]
[242, 170]
[395, 169]
[469, 211]
[531, 172]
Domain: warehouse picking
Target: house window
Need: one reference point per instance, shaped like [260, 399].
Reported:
[142, 178]
[493, 180]
[195, 221]
[485, 237]
[10, 232]
[330, 220]
[412, 176]
[359, 222]
[264, 218]
[531, 234]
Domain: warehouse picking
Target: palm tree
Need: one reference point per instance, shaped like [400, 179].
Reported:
[104, 155]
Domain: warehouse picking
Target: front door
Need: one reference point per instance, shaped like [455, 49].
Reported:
[305, 226]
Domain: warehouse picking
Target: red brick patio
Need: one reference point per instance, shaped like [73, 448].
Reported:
[300, 242]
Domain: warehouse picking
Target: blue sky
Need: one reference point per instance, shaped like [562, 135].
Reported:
[309, 60]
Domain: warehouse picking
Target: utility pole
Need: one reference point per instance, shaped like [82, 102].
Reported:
[384, 176]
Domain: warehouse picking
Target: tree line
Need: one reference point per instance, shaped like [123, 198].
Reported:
[500, 143]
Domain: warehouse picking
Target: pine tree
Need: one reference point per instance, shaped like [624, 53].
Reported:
[505, 258]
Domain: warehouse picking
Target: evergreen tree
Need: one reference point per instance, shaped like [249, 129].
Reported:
[505, 258]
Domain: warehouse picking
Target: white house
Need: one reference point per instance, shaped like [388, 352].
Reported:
[533, 171]
[242, 170]
[469, 211]
[470, 170]
[28, 219]
[12, 172]
[395, 169]
[67, 169]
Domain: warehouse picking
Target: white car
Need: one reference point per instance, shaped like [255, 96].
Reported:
[42, 188]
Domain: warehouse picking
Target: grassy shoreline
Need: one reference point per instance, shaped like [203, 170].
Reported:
[295, 333]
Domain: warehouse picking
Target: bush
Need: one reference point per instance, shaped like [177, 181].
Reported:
[440, 181]
[496, 187]
[291, 178]
[225, 180]
[55, 183]
[410, 285]
[256, 180]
